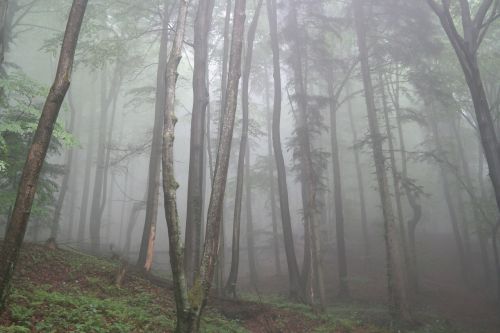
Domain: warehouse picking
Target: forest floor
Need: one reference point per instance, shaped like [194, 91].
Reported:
[67, 291]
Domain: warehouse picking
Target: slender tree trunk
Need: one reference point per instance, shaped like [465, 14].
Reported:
[361, 187]
[337, 183]
[86, 178]
[413, 198]
[308, 180]
[494, 242]
[272, 183]
[38, 150]
[233, 274]
[220, 276]
[100, 174]
[295, 285]
[396, 179]
[399, 304]
[132, 222]
[148, 235]
[54, 230]
[195, 195]
[254, 277]
[4, 4]
[449, 200]
[485, 261]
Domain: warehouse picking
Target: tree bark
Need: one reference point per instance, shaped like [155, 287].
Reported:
[254, 277]
[145, 255]
[195, 196]
[399, 305]
[38, 150]
[295, 285]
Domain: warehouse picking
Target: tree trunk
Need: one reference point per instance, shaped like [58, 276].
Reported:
[233, 274]
[361, 188]
[399, 305]
[195, 194]
[308, 179]
[100, 173]
[86, 178]
[295, 285]
[147, 242]
[485, 261]
[337, 183]
[272, 183]
[38, 150]
[449, 200]
[466, 49]
[54, 230]
[220, 276]
[254, 278]
[395, 174]
[413, 198]
[4, 4]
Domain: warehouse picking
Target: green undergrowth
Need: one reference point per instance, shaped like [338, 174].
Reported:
[354, 317]
[66, 291]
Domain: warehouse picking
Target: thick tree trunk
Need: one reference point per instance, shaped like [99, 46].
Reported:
[337, 184]
[147, 242]
[38, 150]
[195, 196]
[295, 285]
[399, 305]
[233, 273]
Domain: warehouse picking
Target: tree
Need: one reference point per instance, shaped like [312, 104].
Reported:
[196, 173]
[395, 273]
[191, 302]
[38, 150]
[147, 243]
[233, 273]
[295, 285]
[466, 47]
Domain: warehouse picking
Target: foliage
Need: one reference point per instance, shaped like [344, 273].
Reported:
[21, 103]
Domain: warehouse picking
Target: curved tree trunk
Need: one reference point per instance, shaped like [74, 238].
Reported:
[38, 150]
[295, 285]
[233, 274]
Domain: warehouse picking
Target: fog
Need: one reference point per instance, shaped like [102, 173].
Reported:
[388, 135]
